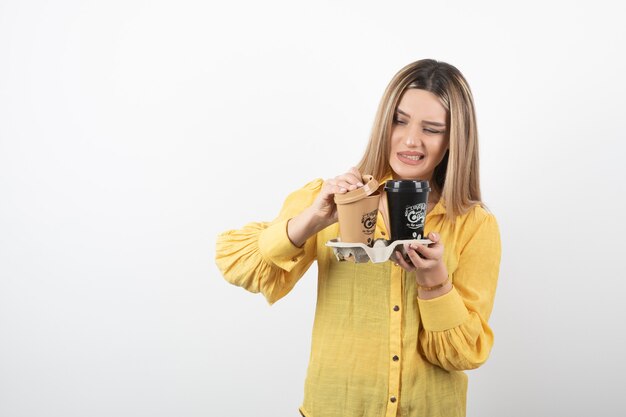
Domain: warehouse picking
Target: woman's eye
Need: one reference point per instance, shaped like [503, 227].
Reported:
[433, 131]
[398, 121]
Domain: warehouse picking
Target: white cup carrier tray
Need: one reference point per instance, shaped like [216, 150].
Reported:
[381, 251]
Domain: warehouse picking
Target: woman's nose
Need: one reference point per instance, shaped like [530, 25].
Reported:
[413, 138]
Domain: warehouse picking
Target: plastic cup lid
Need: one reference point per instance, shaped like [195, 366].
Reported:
[370, 187]
[407, 186]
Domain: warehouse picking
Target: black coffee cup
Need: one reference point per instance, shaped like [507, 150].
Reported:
[407, 201]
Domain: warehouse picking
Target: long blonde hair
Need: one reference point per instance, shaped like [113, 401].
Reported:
[456, 178]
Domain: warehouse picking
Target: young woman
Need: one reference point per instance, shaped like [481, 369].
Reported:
[390, 339]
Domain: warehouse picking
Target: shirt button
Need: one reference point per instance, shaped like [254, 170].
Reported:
[294, 259]
[382, 233]
[396, 308]
[395, 358]
[393, 399]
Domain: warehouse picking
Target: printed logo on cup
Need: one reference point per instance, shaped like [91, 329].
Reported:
[415, 215]
[369, 221]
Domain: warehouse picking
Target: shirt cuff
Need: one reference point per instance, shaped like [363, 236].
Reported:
[443, 313]
[277, 249]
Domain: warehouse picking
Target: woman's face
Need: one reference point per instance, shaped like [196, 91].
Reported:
[418, 136]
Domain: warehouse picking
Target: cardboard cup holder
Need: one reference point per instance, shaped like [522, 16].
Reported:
[381, 251]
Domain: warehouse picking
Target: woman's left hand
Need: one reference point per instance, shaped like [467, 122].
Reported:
[427, 262]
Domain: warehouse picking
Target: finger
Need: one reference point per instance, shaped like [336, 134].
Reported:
[434, 237]
[350, 179]
[401, 262]
[328, 186]
[428, 252]
[331, 187]
[354, 171]
[347, 185]
[414, 256]
[329, 183]
[354, 176]
[338, 189]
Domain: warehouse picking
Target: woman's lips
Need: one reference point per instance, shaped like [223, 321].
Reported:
[410, 158]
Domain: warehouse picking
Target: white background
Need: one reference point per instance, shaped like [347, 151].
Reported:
[133, 132]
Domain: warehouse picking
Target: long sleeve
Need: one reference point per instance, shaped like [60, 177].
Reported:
[455, 334]
[261, 258]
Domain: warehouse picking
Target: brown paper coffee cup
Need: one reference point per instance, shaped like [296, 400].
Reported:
[357, 211]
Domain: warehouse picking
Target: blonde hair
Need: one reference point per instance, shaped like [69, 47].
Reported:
[456, 178]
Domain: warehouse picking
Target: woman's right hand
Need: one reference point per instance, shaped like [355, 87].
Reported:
[324, 207]
[323, 211]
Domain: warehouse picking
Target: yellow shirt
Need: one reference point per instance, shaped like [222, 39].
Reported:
[377, 349]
